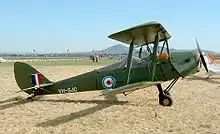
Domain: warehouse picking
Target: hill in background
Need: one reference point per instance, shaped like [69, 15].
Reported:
[113, 50]
[123, 50]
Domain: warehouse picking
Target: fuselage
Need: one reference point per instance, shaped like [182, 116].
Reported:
[180, 64]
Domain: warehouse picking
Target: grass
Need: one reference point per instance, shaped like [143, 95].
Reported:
[65, 63]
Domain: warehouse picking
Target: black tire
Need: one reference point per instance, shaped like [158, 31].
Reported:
[165, 100]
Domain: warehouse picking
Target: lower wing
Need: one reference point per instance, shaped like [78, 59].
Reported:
[129, 87]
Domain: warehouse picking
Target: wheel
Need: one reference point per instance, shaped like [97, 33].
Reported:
[165, 100]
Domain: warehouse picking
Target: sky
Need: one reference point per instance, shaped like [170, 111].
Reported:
[84, 25]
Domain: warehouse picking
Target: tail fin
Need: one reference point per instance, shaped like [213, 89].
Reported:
[24, 76]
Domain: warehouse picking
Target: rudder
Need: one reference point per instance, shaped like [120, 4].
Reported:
[24, 74]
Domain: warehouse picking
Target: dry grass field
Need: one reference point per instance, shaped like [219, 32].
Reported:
[196, 108]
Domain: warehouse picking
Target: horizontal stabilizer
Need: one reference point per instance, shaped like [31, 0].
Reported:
[30, 89]
[129, 87]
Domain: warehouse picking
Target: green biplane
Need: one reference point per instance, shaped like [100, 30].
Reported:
[126, 76]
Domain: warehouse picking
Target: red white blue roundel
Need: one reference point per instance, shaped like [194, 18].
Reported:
[108, 82]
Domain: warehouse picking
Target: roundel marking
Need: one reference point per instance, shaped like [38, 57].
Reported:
[108, 82]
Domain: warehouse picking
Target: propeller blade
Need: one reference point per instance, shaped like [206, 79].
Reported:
[201, 56]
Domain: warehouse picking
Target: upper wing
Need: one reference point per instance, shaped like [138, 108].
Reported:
[130, 87]
[142, 34]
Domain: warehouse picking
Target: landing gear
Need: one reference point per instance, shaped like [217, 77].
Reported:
[165, 100]
[164, 95]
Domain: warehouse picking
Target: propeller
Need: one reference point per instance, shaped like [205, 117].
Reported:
[201, 56]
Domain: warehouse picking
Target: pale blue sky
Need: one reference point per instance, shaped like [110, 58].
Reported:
[83, 25]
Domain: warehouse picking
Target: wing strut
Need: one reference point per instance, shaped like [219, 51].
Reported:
[129, 60]
[140, 52]
[154, 57]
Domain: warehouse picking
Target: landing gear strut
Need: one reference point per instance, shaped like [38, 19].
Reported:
[164, 95]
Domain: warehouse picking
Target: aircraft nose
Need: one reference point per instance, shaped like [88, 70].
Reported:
[197, 56]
